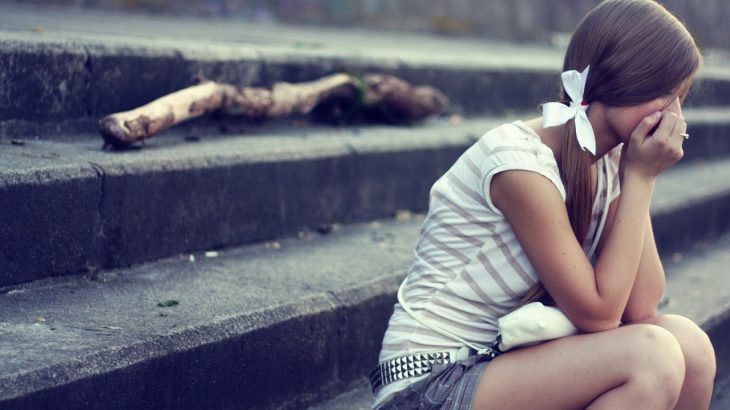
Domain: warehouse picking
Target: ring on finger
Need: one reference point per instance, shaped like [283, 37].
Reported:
[685, 135]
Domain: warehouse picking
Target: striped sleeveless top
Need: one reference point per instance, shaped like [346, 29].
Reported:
[469, 269]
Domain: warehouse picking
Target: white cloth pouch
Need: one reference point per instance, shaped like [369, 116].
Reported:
[531, 324]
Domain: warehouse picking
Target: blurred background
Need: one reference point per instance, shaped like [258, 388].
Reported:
[513, 20]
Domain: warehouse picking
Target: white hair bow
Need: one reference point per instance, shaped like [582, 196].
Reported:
[554, 113]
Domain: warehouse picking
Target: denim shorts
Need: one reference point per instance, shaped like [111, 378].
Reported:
[449, 386]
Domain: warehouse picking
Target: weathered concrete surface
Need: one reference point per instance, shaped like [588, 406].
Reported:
[708, 138]
[684, 210]
[78, 208]
[85, 65]
[47, 81]
[258, 327]
[50, 221]
[315, 308]
[177, 196]
[721, 395]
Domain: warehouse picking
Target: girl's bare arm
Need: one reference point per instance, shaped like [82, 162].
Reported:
[593, 298]
[650, 280]
[649, 285]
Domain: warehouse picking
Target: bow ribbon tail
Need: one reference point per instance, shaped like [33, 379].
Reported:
[556, 114]
[584, 132]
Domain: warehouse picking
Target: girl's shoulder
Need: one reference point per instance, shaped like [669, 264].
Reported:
[515, 134]
[513, 147]
[515, 142]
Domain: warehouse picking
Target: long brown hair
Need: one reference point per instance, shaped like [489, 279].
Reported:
[637, 51]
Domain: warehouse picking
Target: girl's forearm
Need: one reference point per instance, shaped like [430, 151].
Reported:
[649, 285]
[617, 266]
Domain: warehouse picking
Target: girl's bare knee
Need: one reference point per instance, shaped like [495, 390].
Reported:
[697, 349]
[655, 362]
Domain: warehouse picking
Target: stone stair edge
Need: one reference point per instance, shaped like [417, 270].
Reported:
[173, 150]
[39, 175]
[100, 223]
[180, 147]
[113, 359]
[334, 309]
[98, 79]
[376, 294]
[543, 58]
[95, 76]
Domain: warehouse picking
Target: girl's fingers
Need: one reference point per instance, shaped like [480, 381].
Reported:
[642, 130]
[666, 128]
[679, 131]
[657, 152]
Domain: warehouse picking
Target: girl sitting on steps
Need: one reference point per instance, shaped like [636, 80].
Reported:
[558, 207]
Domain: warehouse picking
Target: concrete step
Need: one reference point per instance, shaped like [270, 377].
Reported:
[721, 395]
[266, 326]
[283, 325]
[71, 207]
[65, 70]
[111, 209]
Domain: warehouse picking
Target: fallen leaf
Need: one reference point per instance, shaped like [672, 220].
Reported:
[403, 215]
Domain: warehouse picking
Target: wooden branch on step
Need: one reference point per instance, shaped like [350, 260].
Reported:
[396, 98]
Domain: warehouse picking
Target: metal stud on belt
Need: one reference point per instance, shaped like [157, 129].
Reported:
[406, 366]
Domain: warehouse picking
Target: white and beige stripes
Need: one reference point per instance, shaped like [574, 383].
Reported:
[469, 269]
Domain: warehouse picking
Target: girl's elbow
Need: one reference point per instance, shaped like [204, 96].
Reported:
[599, 320]
[638, 313]
[597, 325]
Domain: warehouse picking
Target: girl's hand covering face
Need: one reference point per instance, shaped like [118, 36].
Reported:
[650, 153]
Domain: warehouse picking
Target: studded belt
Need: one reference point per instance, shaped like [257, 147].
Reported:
[416, 365]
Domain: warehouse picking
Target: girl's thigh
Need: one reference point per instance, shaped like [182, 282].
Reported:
[572, 372]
